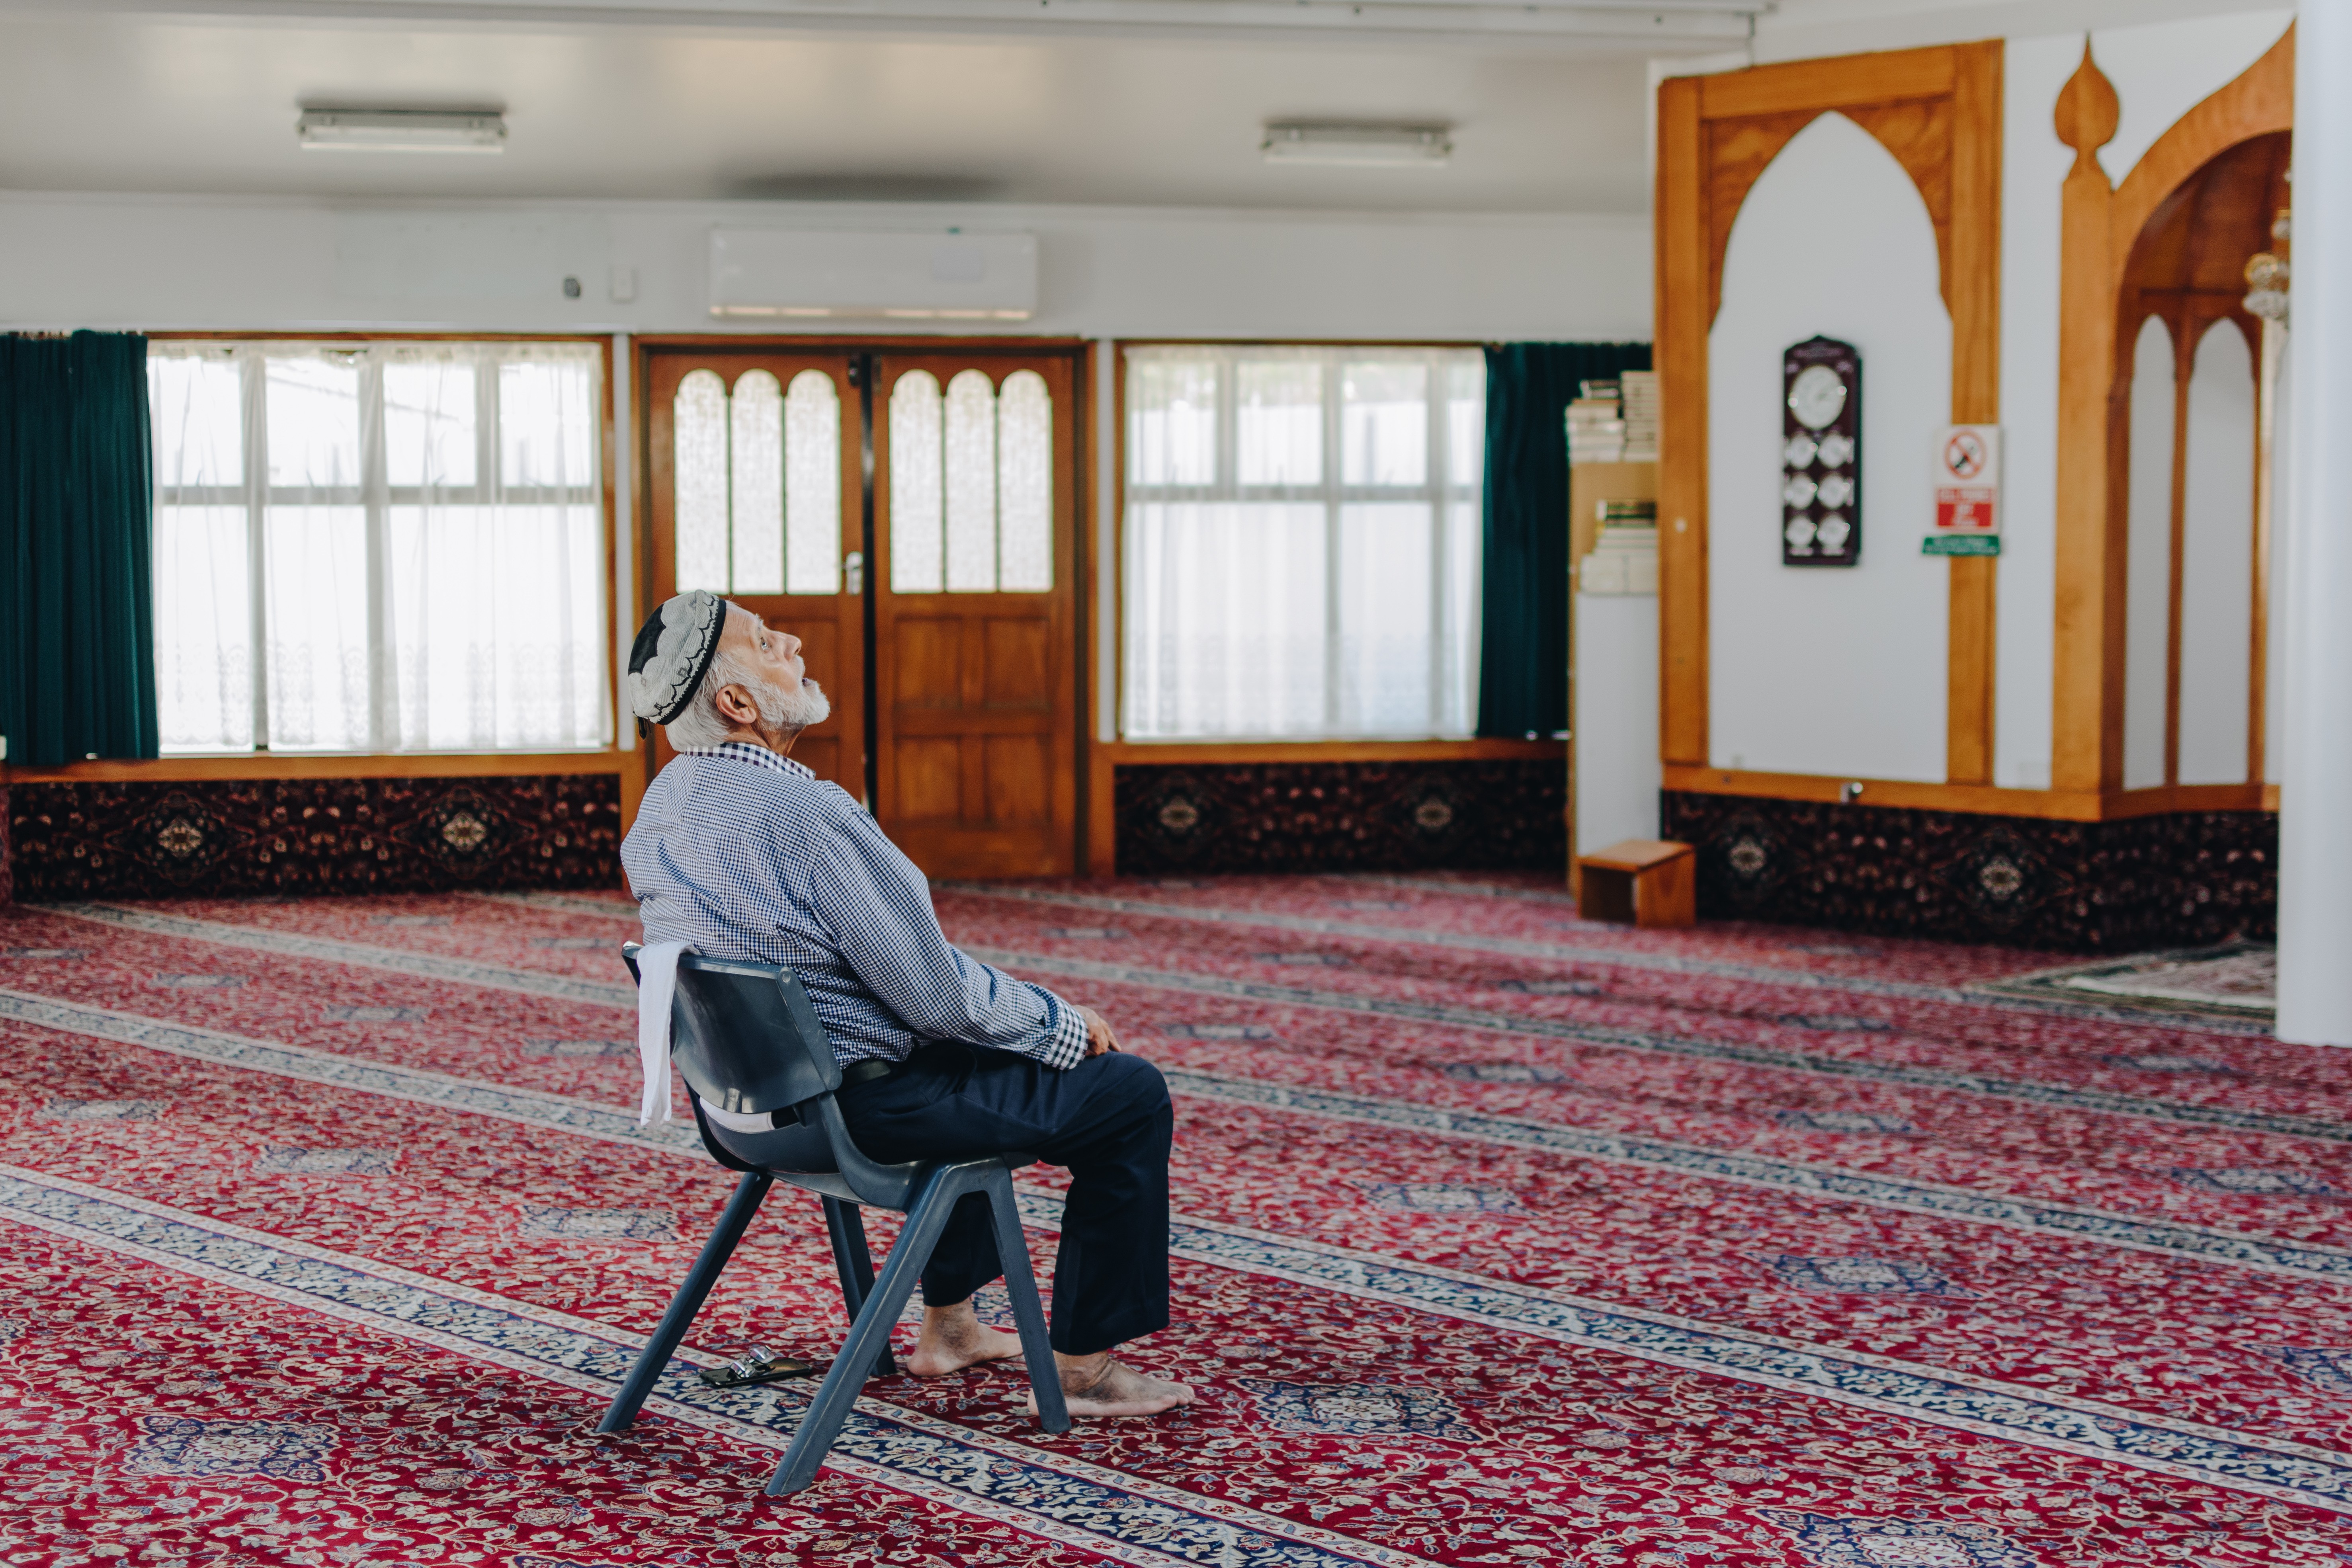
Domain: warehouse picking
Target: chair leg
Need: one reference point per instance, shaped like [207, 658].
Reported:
[821, 1423]
[854, 1259]
[1028, 1312]
[654, 1357]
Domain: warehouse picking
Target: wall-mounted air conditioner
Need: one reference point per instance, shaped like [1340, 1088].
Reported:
[757, 272]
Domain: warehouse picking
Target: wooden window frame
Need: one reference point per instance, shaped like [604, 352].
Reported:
[265, 765]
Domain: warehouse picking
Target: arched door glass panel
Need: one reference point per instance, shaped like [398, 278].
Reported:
[812, 484]
[1025, 485]
[755, 427]
[918, 560]
[758, 476]
[700, 454]
[972, 484]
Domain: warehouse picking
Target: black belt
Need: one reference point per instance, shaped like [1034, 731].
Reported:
[867, 1070]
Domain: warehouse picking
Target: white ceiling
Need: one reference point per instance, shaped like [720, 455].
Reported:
[1128, 102]
[163, 104]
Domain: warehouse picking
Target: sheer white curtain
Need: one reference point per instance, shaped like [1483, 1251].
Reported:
[410, 535]
[1302, 541]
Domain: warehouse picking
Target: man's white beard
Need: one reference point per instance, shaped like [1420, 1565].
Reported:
[791, 710]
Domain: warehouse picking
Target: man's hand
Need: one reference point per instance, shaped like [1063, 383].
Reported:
[1101, 1037]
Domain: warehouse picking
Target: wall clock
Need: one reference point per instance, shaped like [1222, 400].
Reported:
[1820, 455]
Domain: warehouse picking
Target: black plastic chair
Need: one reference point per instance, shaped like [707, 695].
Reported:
[747, 1041]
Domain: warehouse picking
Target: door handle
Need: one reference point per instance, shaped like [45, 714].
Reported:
[854, 565]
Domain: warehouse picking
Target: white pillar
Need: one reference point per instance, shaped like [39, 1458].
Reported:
[2316, 576]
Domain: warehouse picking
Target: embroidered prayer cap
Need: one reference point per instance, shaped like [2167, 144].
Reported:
[672, 653]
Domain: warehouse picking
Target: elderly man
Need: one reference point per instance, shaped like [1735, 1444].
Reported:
[739, 852]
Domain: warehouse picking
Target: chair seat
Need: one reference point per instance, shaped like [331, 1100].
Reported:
[789, 1154]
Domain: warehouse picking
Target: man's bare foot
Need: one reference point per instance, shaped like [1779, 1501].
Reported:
[953, 1338]
[1095, 1386]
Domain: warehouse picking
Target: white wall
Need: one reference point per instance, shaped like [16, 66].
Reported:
[244, 264]
[2282, 500]
[1616, 719]
[2163, 70]
[2217, 576]
[2314, 902]
[2026, 598]
[1828, 670]
[2148, 573]
[1800, 29]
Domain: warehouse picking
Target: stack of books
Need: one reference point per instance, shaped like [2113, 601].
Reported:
[1624, 559]
[1596, 425]
[1639, 389]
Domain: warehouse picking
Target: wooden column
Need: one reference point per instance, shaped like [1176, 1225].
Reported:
[1685, 309]
[2258, 675]
[2087, 718]
[1973, 293]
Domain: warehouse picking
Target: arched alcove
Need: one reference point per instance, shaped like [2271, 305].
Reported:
[1830, 669]
[1935, 114]
[2191, 575]
[2170, 244]
[2217, 560]
[2148, 596]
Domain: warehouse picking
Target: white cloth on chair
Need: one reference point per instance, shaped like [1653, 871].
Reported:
[656, 993]
[657, 990]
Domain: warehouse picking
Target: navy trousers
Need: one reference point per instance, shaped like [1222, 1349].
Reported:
[1106, 1119]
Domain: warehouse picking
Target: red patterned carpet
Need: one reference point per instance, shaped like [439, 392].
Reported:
[1503, 1239]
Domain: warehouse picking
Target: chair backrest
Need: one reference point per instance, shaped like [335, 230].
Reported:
[746, 1040]
[744, 1036]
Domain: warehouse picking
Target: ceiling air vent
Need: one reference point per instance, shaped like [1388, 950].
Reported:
[760, 272]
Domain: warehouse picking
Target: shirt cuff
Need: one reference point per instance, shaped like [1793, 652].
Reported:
[1065, 1046]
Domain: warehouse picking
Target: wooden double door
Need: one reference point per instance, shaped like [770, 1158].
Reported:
[909, 514]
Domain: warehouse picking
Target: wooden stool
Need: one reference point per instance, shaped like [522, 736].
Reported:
[1642, 882]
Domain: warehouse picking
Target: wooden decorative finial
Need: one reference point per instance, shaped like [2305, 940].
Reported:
[2088, 113]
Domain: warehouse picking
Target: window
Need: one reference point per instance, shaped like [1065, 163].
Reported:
[1301, 548]
[382, 547]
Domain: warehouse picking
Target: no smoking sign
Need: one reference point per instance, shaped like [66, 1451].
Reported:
[1967, 492]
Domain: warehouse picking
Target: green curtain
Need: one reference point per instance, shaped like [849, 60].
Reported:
[1523, 647]
[77, 514]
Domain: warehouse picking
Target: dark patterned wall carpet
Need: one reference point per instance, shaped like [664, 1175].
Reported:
[244, 837]
[2158, 882]
[2103, 887]
[1341, 816]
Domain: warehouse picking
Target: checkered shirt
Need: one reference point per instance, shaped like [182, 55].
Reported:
[740, 853]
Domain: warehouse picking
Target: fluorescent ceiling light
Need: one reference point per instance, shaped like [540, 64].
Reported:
[402, 130]
[1354, 141]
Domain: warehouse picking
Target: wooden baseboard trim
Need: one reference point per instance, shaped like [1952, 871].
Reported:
[1986, 800]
